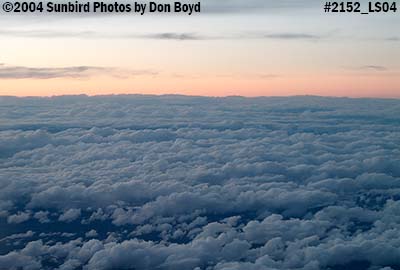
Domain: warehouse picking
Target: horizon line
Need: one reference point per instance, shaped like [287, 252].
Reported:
[194, 96]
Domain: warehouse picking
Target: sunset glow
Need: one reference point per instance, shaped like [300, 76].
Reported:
[264, 51]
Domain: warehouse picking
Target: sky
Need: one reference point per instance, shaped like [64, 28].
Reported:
[247, 48]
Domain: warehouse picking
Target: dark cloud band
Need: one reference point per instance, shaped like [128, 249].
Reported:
[21, 72]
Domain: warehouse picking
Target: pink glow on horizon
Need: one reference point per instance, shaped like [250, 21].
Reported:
[344, 85]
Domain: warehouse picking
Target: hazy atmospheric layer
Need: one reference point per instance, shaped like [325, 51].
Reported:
[141, 182]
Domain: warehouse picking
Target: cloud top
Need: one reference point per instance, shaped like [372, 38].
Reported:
[145, 182]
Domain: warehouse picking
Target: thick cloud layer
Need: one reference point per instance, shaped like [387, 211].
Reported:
[142, 182]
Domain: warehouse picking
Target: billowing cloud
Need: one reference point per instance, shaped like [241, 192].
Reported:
[70, 215]
[144, 182]
[18, 218]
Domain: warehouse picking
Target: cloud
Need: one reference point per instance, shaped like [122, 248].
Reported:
[21, 72]
[373, 68]
[27, 234]
[91, 234]
[292, 36]
[145, 182]
[370, 68]
[178, 36]
[393, 39]
[42, 216]
[18, 218]
[70, 215]
[99, 35]
[175, 36]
